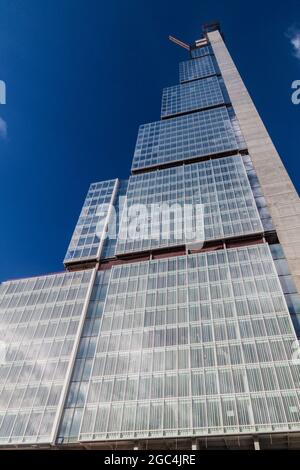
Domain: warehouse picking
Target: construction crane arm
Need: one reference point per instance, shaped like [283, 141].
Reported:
[180, 43]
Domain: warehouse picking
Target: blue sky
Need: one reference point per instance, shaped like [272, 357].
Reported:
[82, 75]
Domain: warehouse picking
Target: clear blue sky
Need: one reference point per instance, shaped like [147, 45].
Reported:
[82, 75]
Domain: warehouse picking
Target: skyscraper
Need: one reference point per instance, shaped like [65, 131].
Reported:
[179, 329]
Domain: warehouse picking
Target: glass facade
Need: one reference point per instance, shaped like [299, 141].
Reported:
[109, 247]
[197, 68]
[77, 393]
[201, 51]
[87, 239]
[288, 286]
[193, 345]
[185, 137]
[156, 341]
[39, 326]
[191, 96]
[220, 185]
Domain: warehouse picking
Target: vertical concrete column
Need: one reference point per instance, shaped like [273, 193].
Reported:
[278, 190]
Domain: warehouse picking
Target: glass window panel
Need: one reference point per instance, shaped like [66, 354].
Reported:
[229, 199]
[44, 315]
[195, 95]
[91, 224]
[235, 344]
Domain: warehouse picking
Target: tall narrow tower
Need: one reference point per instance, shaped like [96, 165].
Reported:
[158, 337]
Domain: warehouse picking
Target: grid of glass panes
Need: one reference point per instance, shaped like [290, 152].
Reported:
[220, 185]
[235, 125]
[76, 397]
[184, 137]
[39, 322]
[201, 51]
[89, 229]
[191, 96]
[197, 68]
[194, 345]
